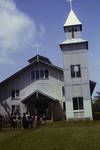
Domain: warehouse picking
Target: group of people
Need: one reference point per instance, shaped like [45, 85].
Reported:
[16, 121]
[26, 121]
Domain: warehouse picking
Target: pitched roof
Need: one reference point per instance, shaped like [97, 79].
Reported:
[39, 57]
[28, 66]
[73, 41]
[72, 20]
[35, 93]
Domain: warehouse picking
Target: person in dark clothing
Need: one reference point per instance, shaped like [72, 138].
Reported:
[19, 121]
[30, 122]
[14, 122]
[11, 121]
[1, 122]
[38, 119]
[24, 121]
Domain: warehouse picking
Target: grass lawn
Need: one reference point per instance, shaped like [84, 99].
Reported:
[54, 136]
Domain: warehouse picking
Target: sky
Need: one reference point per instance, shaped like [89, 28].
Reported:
[23, 23]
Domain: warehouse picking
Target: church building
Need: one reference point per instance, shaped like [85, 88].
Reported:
[48, 90]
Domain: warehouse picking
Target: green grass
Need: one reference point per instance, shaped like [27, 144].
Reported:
[54, 136]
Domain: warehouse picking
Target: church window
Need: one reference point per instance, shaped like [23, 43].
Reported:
[63, 91]
[15, 93]
[42, 74]
[32, 75]
[77, 103]
[15, 109]
[46, 74]
[37, 74]
[75, 71]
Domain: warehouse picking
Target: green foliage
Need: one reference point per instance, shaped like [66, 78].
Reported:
[97, 98]
[96, 107]
[54, 136]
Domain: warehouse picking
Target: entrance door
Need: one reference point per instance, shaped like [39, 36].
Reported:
[43, 109]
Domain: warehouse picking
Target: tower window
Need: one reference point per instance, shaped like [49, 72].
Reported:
[75, 30]
[15, 93]
[69, 30]
[77, 103]
[73, 36]
[75, 71]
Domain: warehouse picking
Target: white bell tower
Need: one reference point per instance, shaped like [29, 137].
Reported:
[76, 80]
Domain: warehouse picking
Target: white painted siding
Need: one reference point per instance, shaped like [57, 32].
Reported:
[51, 87]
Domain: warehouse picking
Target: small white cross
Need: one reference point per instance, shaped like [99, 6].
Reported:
[37, 45]
[70, 3]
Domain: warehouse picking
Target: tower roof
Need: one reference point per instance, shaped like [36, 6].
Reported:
[72, 19]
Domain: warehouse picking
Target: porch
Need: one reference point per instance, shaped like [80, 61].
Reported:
[43, 105]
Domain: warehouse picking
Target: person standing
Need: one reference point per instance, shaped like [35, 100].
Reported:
[14, 122]
[1, 122]
[19, 121]
[24, 121]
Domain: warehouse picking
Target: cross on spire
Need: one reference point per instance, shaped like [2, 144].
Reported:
[37, 45]
[70, 3]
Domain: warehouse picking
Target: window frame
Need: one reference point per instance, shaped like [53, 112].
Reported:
[74, 74]
[78, 101]
[15, 94]
[39, 74]
[15, 109]
[46, 74]
[42, 74]
[33, 75]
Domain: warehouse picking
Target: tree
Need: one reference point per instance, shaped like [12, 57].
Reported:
[97, 97]
[96, 106]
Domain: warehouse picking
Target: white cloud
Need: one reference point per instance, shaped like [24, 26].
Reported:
[17, 30]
